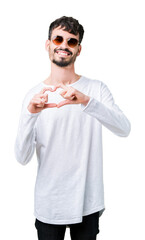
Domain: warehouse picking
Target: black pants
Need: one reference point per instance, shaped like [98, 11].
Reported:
[86, 230]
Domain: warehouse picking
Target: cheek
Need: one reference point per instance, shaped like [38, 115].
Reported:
[76, 53]
[51, 51]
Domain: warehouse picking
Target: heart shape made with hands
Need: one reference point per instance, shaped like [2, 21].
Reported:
[68, 93]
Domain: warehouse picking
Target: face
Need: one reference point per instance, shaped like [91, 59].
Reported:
[62, 55]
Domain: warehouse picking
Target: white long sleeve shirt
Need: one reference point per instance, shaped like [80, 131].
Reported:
[68, 143]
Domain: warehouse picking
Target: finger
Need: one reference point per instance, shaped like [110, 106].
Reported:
[37, 101]
[54, 89]
[68, 96]
[42, 98]
[46, 97]
[63, 103]
[63, 92]
[50, 105]
[43, 90]
[61, 85]
[73, 97]
[41, 104]
[42, 95]
[46, 89]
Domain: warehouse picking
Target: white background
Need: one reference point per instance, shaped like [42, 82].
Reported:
[113, 51]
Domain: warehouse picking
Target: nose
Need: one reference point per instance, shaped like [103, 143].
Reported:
[64, 44]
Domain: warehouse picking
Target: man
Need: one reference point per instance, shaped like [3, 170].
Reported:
[62, 118]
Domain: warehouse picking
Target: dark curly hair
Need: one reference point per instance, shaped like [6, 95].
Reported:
[68, 24]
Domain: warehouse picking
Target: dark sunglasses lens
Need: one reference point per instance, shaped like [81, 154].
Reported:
[57, 40]
[72, 42]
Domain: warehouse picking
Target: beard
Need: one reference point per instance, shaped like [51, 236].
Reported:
[63, 62]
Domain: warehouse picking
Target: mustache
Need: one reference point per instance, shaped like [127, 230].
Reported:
[66, 50]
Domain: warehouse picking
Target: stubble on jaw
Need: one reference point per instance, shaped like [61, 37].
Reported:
[63, 62]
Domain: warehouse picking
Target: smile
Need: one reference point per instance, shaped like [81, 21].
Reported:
[62, 53]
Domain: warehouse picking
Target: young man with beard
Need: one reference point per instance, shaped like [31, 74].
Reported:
[62, 119]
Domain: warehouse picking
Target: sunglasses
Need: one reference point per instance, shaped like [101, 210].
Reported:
[72, 42]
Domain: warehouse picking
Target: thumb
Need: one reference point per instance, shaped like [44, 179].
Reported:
[63, 92]
[49, 105]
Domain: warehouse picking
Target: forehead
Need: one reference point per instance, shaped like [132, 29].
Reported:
[59, 31]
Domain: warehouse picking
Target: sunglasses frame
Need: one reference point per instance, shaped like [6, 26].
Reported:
[68, 39]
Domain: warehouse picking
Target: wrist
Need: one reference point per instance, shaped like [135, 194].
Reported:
[86, 100]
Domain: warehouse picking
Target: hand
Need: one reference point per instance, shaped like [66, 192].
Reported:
[39, 101]
[72, 95]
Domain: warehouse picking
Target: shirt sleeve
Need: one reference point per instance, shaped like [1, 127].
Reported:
[26, 136]
[108, 113]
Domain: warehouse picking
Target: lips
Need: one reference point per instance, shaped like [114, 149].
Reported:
[62, 53]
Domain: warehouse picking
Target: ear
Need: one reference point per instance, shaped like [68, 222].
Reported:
[47, 45]
[79, 50]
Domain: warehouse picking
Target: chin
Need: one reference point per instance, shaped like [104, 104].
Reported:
[61, 63]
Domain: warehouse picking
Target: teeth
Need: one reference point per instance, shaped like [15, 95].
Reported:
[62, 53]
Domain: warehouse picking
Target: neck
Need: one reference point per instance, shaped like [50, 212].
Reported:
[65, 75]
